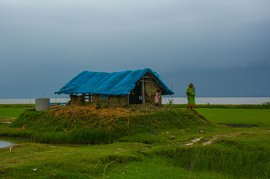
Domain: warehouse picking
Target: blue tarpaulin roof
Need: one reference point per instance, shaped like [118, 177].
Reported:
[116, 83]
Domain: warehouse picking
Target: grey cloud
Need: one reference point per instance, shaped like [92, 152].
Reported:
[177, 38]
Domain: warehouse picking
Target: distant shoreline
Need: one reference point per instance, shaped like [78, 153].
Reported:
[165, 100]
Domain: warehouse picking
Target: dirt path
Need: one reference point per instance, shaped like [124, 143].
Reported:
[210, 140]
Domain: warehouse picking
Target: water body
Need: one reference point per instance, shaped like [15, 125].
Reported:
[4, 144]
[31, 101]
[220, 100]
[165, 100]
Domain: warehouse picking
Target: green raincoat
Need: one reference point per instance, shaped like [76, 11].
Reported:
[191, 95]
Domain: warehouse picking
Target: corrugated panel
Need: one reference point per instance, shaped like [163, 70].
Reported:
[117, 83]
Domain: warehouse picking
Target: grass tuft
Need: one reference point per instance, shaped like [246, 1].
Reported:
[225, 157]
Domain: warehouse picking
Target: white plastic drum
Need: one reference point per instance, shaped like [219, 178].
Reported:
[42, 104]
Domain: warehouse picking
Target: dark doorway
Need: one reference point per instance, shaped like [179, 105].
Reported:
[135, 96]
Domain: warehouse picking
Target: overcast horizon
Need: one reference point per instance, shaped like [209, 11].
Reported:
[222, 47]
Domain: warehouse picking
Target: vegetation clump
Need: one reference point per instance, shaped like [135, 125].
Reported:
[89, 111]
[230, 157]
[86, 124]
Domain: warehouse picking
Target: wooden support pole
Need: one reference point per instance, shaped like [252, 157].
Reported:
[143, 93]
[128, 99]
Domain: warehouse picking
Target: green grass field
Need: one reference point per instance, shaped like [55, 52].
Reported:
[260, 117]
[156, 147]
[11, 112]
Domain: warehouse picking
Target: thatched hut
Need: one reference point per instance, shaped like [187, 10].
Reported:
[115, 89]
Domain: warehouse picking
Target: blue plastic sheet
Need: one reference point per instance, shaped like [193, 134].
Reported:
[116, 83]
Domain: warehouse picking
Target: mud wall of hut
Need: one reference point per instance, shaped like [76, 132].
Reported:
[77, 99]
[110, 101]
[150, 89]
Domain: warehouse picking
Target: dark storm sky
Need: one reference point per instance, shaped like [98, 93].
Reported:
[223, 47]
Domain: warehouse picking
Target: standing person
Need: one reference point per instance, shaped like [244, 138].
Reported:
[157, 98]
[190, 96]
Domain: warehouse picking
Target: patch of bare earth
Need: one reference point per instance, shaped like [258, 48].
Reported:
[211, 140]
[89, 111]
